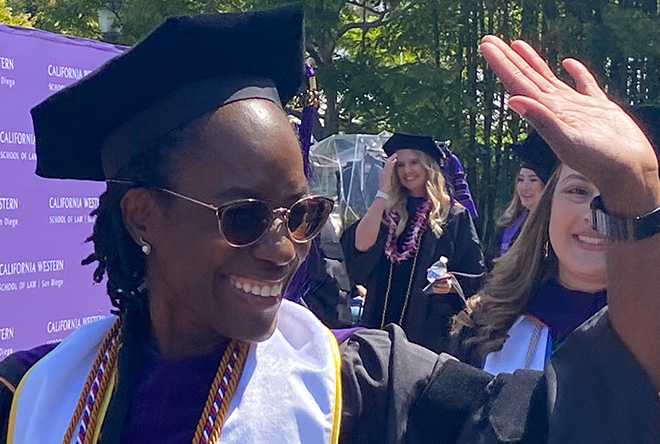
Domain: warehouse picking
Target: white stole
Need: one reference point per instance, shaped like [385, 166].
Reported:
[289, 391]
[525, 348]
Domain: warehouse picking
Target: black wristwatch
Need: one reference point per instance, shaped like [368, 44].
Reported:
[623, 228]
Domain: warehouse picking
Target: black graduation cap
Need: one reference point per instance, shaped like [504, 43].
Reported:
[536, 154]
[186, 67]
[426, 144]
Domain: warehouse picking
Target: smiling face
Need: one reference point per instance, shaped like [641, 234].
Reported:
[203, 287]
[411, 172]
[529, 188]
[579, 248]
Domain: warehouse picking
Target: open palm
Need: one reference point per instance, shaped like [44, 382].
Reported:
[587, 130]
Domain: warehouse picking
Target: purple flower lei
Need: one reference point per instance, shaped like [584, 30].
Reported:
[411, 244]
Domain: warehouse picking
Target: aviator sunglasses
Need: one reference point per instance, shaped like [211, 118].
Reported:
[244, 222]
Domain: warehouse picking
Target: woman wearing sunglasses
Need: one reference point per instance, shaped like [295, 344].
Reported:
[411, 224]
[204, 221]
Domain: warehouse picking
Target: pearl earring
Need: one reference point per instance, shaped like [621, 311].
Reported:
[146, 248]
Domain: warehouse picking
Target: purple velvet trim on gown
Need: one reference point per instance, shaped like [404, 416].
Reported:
[564, 310]
[342, 334]
[169, 397]
[510, 232]
[27, 358]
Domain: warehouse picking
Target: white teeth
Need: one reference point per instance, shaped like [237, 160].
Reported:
[263, 291]
[593, 240]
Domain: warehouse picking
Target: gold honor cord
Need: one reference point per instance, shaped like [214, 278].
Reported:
[389, 286]
[215, 409]
[222, 389]
[110, 345]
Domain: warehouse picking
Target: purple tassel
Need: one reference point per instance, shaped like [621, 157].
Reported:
[300, 283]
[309, 115]
[454, 171]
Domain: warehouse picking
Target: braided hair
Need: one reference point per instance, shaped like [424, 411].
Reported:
[115, 251]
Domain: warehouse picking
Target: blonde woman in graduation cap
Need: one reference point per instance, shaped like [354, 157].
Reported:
[411, 224]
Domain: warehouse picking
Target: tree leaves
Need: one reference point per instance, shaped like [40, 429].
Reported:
[414, 66]
[8, 17]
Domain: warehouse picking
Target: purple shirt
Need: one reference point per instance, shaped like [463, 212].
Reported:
[168, 397]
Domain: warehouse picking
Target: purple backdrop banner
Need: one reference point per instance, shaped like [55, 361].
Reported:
[44, 291]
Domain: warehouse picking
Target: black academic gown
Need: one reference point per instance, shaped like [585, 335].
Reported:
[427, 317]
[330, 289]
[395, 392]
[592, 391]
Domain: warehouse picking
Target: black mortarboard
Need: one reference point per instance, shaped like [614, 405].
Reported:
[536, 154]
[426, 144]
[187, 67]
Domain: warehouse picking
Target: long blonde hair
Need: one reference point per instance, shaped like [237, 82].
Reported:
[513, 210]
[435, 190]
[517, 274]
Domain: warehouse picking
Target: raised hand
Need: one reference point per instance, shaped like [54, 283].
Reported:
[588, 131]
[386, 174]
[594, 136]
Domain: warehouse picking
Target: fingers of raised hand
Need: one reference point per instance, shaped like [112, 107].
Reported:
[550, 123]
[585, 82]
[389, 165]
[522, 73]
[536, 62]
[508, 73]
[392, 159]
[386, 174]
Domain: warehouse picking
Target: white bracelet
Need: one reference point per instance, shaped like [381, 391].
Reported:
[382, 194]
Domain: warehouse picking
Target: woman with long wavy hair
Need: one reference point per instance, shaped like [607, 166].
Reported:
[551, 280]
[536, 167]
[409, 226]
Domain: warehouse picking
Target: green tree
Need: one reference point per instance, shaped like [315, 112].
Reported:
[415, 66]
[9, 18]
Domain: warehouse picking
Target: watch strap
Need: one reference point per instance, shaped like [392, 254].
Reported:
[622, 228]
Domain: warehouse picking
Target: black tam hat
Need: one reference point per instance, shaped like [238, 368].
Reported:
[426, 144]
[185, 68]
[535, 154]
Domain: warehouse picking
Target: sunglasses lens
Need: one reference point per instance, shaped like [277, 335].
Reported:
[246, 222]
[308, 216]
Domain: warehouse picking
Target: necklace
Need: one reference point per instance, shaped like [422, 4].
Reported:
[85, 417]
[411, 243]
[389, 286]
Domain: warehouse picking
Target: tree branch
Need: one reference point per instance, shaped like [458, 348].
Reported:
[365, 26]
[371, 10]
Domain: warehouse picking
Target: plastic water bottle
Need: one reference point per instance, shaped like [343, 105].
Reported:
[437, 270]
